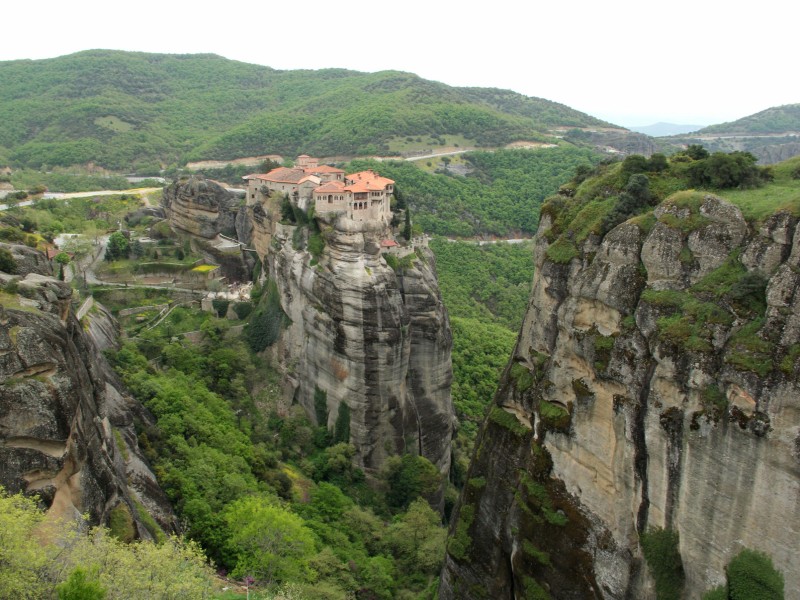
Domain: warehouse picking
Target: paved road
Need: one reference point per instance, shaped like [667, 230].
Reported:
[423, 157]
[142, 192]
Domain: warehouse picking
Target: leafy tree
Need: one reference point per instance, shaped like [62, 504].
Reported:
[80, 586]
[752, 576]
[408, 478]
[268, 542]
[726, 171]
[418, 538]
[22, 561]
[632, 201]
[118, 246]
[696, 152]
[635, 163]
[657, 163]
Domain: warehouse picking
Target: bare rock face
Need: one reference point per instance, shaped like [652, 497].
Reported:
[373, 342]
[646, 390]
[201, 207]
[66, 425]
[28, 260]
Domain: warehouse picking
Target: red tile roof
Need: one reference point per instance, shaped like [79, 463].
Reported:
[370, 179]
[331, 186]
[388, 244]
[325, 169]
[283, 175]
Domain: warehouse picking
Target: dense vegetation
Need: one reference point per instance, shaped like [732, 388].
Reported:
[126, 110]
[486, 289]
[73, 564]
[499, 197]
[265, 493]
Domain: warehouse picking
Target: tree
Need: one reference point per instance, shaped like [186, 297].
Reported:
[635, 163]
[635, 198]
[341, 431]
[657, 163]
[752, 576]
[418, 538]
[287, 213]
[267, 541]
[118, 246]
[137, 249]
[696, 152]
[407, 227]
[409, 477]
[21, 560]
[79, 586]
[749, 576]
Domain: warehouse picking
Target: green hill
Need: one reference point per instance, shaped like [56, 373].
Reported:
[122, 110]
[778, 119]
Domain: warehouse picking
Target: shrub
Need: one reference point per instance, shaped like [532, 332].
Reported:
[265, 324]
[220, 306]
[120, 523]
[7, 262]
[660, 548]
[243, 309]
[316, 245]
[554, 417]
[752, 576]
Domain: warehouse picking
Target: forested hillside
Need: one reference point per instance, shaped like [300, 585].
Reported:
[777, 119]
[770, 135]
[500, 196]
[123, 110]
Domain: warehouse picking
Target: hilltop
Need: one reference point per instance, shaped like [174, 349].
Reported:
[129, 109]
[775, 120]
[772, 135]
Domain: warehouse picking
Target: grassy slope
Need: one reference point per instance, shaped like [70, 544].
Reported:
[118, 108]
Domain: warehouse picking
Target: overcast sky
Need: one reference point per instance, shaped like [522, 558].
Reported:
[631, 63]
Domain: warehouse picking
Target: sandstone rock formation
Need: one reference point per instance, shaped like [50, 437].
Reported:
[648, 389]
[66, 424]
[374, 341]
[201, 207]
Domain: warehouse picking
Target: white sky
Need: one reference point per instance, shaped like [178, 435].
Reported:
[631, 63]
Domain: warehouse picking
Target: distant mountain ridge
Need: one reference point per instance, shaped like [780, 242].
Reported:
[775, 120]
[772, 135]
[132, 110]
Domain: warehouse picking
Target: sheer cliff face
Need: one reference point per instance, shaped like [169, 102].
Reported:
[367, 337]
[66, 426]
[200, 206]
[647, 389]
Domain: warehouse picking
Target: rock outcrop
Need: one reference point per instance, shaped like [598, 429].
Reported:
[201, 207]
[66, 424]
[361, 337]
[655, 384]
